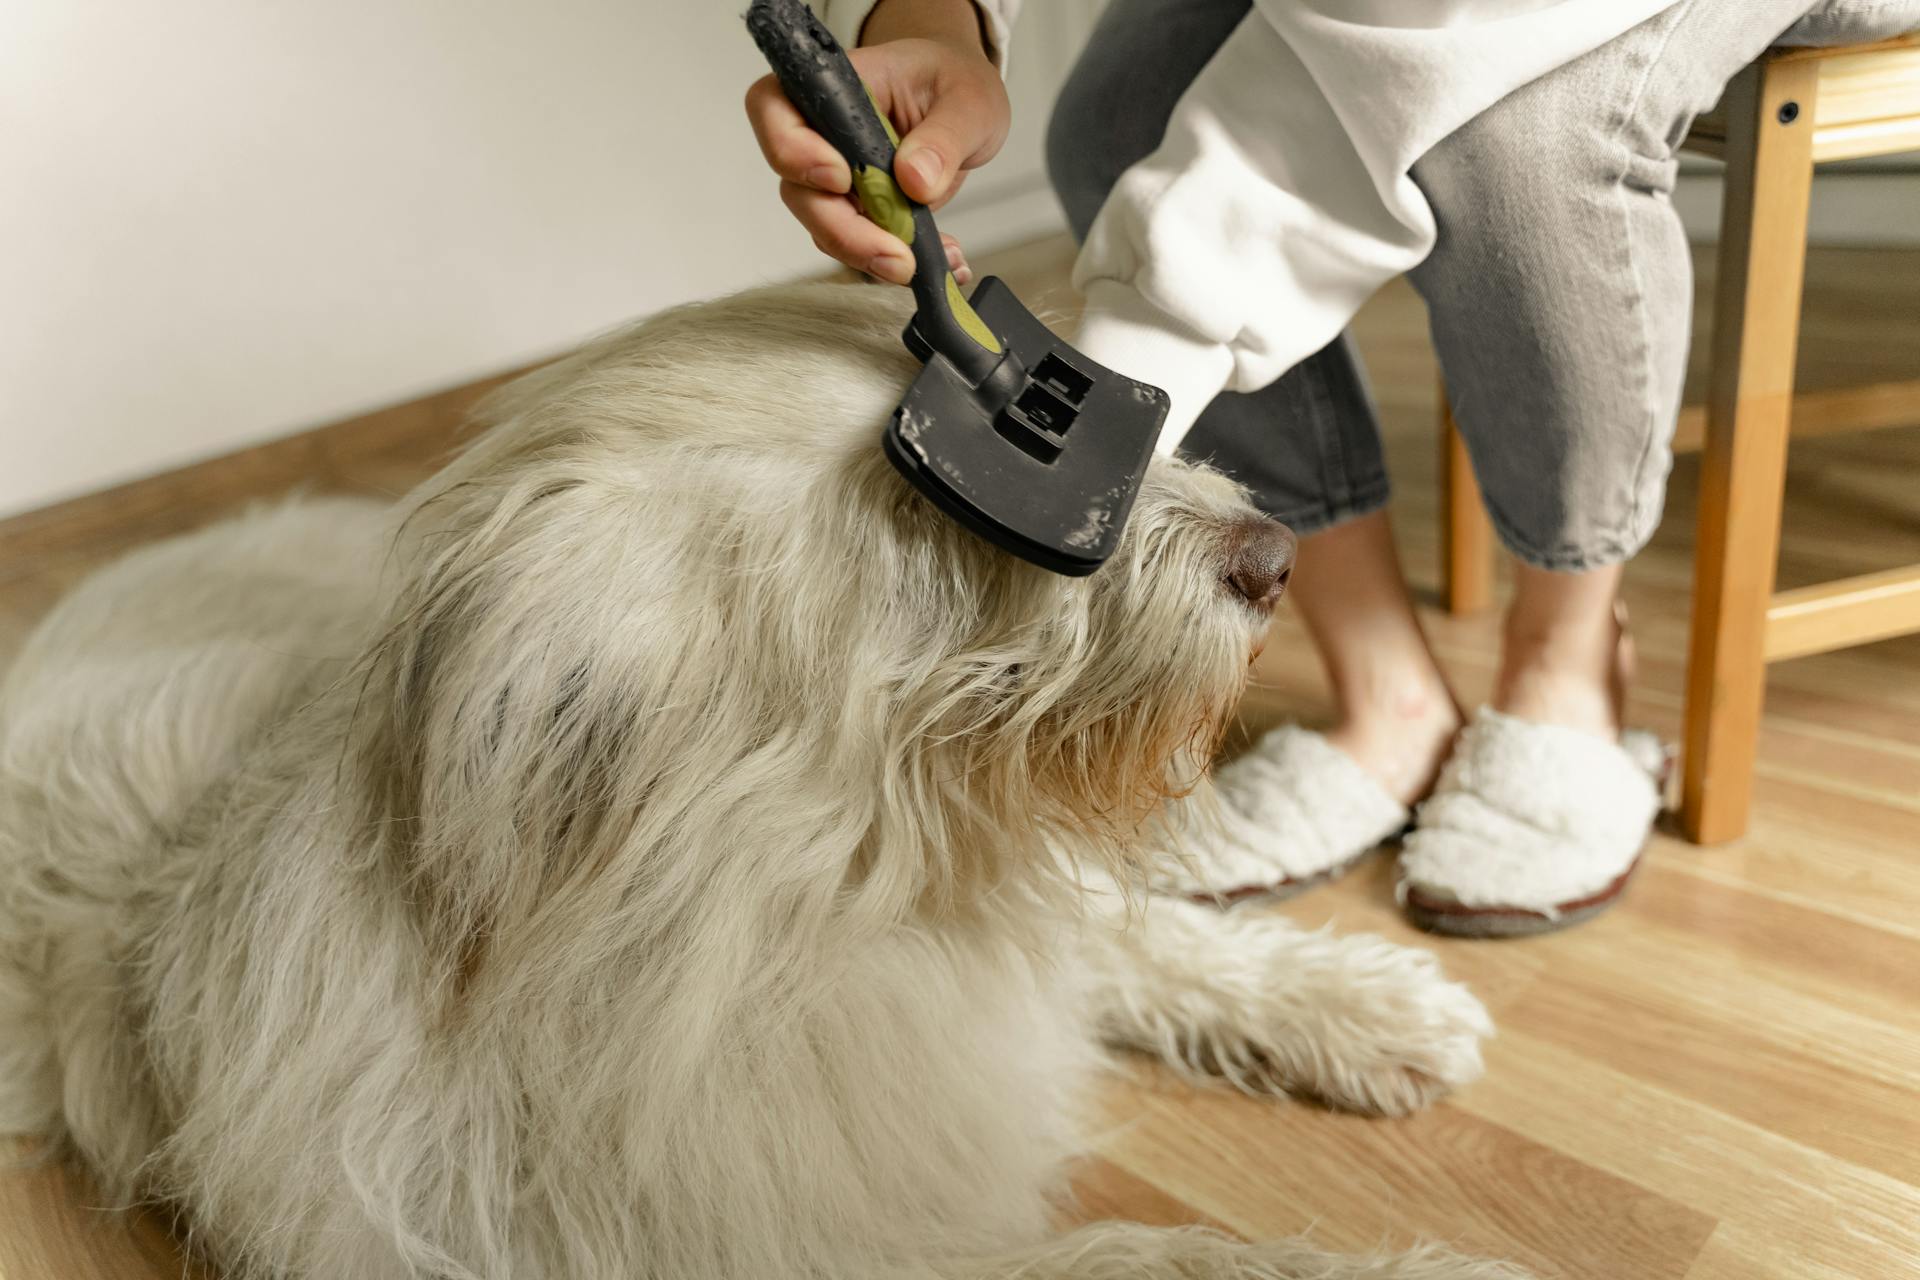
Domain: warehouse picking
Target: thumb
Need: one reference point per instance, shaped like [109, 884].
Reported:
[927, 165]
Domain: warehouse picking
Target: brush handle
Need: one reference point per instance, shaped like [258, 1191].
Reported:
[819, 80]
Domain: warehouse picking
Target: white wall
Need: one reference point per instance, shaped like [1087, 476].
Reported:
[224, 220]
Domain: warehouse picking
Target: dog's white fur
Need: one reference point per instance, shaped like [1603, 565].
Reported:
[665, 848]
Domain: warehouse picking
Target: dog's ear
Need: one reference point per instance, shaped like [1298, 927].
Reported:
[615, 677]
[497, 738]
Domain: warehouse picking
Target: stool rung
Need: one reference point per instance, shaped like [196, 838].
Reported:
[1843, 613]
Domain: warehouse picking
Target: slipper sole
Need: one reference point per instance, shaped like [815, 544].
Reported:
[1456, 919]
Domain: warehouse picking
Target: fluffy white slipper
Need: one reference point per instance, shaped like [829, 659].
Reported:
[1295, 810]
[1532, 827]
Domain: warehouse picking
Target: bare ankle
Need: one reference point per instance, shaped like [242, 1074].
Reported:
[1574, 678]
[1401, 735]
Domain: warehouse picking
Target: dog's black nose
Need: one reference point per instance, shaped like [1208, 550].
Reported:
[1259, 561]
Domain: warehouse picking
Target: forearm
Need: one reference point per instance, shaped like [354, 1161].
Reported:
[955, 22]
[972, 25]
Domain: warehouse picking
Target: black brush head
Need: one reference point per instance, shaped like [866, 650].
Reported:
[1044, 464]
[1007, 429]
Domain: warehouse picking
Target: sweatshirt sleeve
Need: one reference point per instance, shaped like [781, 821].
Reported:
[1280, 198]
[845, 18]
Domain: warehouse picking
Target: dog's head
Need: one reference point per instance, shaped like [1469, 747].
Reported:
[678, 593]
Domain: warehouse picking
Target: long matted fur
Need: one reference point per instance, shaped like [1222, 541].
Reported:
[663, 848]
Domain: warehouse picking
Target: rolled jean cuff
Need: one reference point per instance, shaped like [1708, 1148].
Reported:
[1599, 553]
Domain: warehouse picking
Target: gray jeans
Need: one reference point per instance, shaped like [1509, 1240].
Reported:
[1559, 290]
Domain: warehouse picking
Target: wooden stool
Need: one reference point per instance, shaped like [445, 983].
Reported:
[1789, 111]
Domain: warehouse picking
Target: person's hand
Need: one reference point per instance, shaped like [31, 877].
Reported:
[929, 70]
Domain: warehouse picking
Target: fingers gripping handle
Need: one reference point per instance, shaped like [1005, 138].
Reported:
[819, 80]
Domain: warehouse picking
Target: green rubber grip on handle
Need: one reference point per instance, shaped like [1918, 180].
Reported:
[818, 79]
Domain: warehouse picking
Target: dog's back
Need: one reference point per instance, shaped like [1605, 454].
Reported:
[676, 866]
[559, 903]
[138, 692]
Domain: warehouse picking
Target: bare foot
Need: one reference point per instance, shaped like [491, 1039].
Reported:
[1397, 716]
[1402, 738]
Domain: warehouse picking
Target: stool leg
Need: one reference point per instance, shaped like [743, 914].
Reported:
[1763, 239]
[1466, 535]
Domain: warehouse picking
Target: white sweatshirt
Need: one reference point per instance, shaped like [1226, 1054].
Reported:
[1280, 200]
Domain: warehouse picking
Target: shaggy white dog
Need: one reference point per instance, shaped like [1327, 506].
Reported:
[665, 849]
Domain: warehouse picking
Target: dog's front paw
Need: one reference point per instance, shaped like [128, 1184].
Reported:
[1392, 1033]
[1357, 1022]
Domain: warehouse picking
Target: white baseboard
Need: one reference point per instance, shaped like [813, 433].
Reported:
[1859, 210]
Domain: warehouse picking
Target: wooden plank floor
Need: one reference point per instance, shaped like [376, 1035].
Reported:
[1719, 1080]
